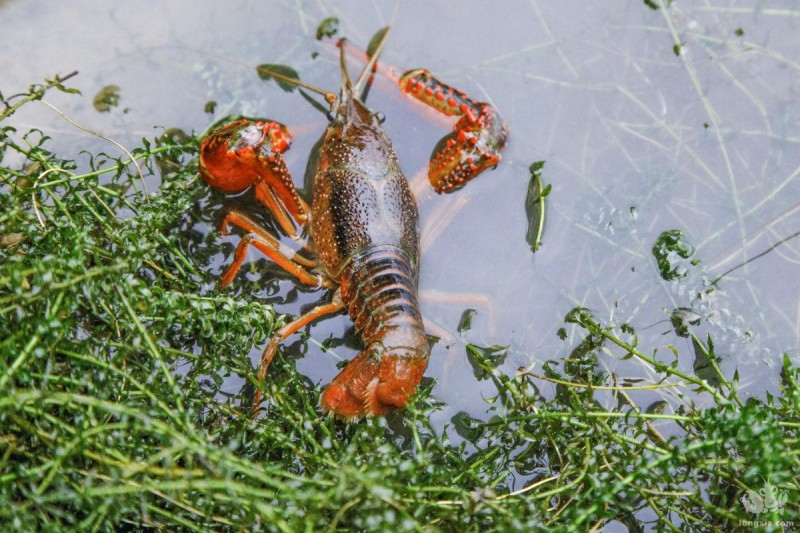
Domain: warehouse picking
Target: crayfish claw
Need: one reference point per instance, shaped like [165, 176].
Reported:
[472, 147]
[474, 144]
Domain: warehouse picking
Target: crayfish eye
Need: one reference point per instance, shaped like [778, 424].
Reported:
[380, 117]
[329, 116]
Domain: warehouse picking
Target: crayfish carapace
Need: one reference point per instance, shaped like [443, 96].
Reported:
[363, 238]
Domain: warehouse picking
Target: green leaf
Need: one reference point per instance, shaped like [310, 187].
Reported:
[68, 90]
[376, 41]
[670, 250]
[656, 408]
[484, 360]
[466, 320]
[534, 206]
[280, 73]
[629, 330]
[327, 28]
[58, 83]
[579, 315]
[703, 365]
[106, 98]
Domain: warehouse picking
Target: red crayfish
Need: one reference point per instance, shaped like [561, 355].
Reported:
[362, 224]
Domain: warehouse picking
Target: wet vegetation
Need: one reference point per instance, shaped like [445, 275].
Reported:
[115, 346]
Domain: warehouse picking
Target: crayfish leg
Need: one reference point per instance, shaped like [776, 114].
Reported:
[293, 224]
[287, 330]
[270, 246]
[420, 84]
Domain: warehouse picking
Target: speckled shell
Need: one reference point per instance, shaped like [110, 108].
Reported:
[361, 198]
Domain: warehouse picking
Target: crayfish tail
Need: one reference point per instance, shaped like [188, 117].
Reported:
[380, 293]
[374, 383]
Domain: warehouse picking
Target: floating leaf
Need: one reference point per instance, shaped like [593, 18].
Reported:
[485, 359]
[466, 320]
[682, 318]
[670, 250]
[468, 427]
[327, 28]
[656, 408]
[280, 73]
[376, 41]
[534, 206]
[106, 98]
[653, 5]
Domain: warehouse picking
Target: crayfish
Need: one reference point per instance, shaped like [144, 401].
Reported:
[362, 224]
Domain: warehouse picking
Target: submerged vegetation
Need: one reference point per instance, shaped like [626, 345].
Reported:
[112, 411]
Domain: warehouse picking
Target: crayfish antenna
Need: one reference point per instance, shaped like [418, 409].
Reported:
[329, 97]
[373, 59]
[347, 84]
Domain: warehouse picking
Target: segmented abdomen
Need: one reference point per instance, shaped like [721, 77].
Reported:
[379, 289]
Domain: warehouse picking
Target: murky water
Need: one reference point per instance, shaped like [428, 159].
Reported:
[648, 120]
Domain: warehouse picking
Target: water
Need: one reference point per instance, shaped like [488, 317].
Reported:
[640, 135]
